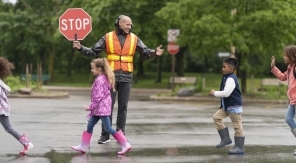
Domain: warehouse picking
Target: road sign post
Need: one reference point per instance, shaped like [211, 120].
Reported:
[173, 73]
[75, 24]
[173, 49]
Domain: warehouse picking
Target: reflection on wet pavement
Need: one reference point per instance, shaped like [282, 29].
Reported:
[159, 131]
[209, 154]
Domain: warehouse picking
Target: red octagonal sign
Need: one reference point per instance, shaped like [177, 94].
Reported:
[173, 48]
[75, 22]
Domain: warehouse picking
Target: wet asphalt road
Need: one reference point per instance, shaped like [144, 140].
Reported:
[158, 131]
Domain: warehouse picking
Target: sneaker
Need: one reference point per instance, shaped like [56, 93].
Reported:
[104, 139]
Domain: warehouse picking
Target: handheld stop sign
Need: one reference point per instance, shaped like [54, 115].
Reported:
[75, 24]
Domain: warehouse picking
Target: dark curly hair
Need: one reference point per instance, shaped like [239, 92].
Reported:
[6, 68]
[290, 52]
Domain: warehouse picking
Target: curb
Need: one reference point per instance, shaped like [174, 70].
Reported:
[51, 94]
[152, 94]
[211, 99]
[66, 88]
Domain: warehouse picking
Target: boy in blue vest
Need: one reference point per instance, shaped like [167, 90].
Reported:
[232, 106]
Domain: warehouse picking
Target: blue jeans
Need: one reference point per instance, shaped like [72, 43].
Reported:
[290, 116]
[105, 121]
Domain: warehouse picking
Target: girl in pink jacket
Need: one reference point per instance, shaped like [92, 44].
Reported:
[5, 71]
[100, 107]
[290, 74]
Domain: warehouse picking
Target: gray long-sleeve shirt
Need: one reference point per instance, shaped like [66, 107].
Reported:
[120, 76]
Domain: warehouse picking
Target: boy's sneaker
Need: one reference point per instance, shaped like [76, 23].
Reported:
[104, 139]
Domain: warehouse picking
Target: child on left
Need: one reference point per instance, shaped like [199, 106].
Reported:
[5, 71]
[100, 107]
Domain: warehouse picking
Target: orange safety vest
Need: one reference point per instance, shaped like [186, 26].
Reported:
[118, 57]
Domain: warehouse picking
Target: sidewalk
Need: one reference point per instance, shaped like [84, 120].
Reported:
[153, 94]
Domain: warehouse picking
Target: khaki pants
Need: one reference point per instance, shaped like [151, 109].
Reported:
[235, 118]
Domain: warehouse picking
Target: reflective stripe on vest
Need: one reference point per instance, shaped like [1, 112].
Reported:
[111, 49]
[118, 57]
[122, 58]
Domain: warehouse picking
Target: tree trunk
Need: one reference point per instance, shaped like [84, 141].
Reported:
[42, 59]
[23, 56]
[140, 68]
[244, 81]
[23, 62]
[158, 77]
[180, 61]
[70, 57]
[51, 61]
[238, 58]
[242, 74]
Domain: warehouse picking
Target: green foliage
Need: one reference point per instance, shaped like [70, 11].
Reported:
[259, 29]
[256, 29]
[209, 25]
[80, 79]
[15, 83]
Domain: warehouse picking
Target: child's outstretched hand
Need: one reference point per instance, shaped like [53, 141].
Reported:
[85, 107]
[272, 61]
[212, 92]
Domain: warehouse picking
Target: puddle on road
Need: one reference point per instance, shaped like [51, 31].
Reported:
[209, 154]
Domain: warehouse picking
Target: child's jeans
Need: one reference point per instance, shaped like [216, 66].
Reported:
[235, 118]
[105, 121]
[290, 116]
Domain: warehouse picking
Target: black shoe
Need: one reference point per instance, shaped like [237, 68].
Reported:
[104, 139]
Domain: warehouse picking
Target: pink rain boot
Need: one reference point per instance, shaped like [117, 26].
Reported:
[27, 144]
[125, 145]
[84, 144]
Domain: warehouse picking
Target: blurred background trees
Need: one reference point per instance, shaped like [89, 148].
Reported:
[257, 29]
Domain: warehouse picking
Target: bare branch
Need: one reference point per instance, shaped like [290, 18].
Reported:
[25, 3]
